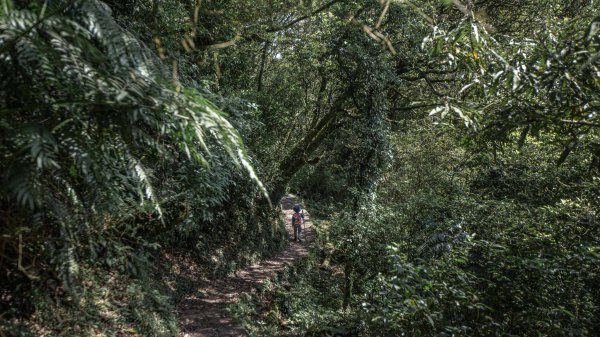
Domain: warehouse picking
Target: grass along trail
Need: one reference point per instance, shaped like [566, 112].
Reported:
[203, 314]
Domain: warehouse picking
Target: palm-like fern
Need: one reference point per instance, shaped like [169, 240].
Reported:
[85, 113]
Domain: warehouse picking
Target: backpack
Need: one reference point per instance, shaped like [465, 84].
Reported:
[296, 219]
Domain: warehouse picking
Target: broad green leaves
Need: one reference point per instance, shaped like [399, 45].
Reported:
[546, 82]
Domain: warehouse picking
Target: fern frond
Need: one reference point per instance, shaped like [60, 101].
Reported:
[86, 116]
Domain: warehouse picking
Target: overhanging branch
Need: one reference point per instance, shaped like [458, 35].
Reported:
[304, 17]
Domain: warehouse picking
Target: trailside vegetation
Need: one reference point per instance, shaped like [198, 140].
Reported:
[448, 150]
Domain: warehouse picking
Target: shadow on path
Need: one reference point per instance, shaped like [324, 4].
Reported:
[203, 314]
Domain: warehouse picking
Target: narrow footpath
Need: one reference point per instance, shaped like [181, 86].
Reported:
[205, 315]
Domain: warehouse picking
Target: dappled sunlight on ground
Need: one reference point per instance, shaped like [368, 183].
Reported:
[203, 313]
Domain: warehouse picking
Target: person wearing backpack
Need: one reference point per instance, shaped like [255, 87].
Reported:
[297, 222]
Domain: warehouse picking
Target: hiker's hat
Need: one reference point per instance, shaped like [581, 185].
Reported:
[296, 208]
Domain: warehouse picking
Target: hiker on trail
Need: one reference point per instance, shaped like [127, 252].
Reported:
[297, 222]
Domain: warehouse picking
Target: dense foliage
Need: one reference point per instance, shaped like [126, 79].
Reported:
[454, 244]
[450, 149]
[106, 159]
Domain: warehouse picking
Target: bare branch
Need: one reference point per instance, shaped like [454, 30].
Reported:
[566, 121]
[225, 44]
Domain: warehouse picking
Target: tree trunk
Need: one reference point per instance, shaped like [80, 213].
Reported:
[261, 70]
[348, 286]
[298, 156]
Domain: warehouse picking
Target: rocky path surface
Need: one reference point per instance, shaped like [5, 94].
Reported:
[203, 314]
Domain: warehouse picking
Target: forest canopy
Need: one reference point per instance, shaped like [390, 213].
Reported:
[449, 150]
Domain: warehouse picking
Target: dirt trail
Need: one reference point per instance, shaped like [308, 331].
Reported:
[203, 314]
